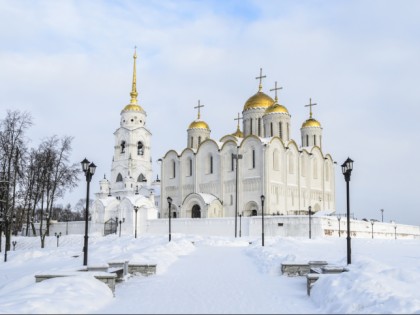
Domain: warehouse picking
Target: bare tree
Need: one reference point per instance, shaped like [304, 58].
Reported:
[12, 149]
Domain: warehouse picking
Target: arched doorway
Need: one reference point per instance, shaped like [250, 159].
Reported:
[196, 212]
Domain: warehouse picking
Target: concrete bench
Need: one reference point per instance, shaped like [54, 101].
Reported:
[316, 273]
[107, 278]
[317, 263]
[143, 269]
[295, 268]
[310, 280]
[334, 269]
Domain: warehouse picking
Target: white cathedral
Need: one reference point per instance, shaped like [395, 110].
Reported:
[130, 197]
[214, 179]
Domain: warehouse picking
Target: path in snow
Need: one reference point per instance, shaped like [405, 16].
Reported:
[212, 280]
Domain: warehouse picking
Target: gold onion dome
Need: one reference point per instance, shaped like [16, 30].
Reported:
[258, 100]
[276, 108]
[199, 124]
[238, 133]
[311, 123]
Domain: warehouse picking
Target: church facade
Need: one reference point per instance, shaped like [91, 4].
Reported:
[130, 197]
[220, 178]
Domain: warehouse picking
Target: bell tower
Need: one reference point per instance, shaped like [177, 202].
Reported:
[132, 162]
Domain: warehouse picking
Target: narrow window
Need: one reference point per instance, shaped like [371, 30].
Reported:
[280, 131]
[250, 126]
[232, 162]
[231, 199]
[320, 144]
[253, 158]
[271, 129]
[259, 127]
[307, 140]
[211, 164]
[122, 146]
[314, 140]
[140, 150]
[327, 172]
[276, 160]
[315, 169]
[288, 133]
[190, 160]
[173, 169]
[119, 177]
[199, 140]
[192, 142]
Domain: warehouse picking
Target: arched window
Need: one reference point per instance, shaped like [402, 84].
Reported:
[259, 127]
[140, 150]
[199, 140]
[232, 161]
[276, 161]
[271, 129]
[192, 142]
[119, 178]
[314, 139]
[307, 140]
[250, 126]
[190, 166]
[253, 158]
[122, 146]
[280, 131]
[210, 164]
[231, 199]
[141, 178]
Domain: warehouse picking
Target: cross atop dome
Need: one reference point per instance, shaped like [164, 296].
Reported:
[260, 78]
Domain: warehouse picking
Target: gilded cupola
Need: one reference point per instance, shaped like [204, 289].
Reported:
[311, 122]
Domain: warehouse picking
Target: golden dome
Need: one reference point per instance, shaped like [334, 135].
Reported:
[258, 100]
[199, 124]
[311, 123]
[276, 108]
[238, 133]
[133, 107]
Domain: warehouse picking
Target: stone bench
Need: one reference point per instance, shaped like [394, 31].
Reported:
[316, 273]
[107, 278]
[143, 269]
[295, 268]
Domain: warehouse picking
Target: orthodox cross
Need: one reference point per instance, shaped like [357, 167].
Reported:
[260, 78]
[310, 107]
[198, 107]
[238, 119]
[275, 89]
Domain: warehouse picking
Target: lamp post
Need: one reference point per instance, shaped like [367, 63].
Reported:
[262, 218]
[169, 213]
[339, 227]
[382, 210]
[57, 235]
[136, 208]
[395, 228]
[89, 169]
[310, 217]
[236, 157]
[371, 222]
[347, 168]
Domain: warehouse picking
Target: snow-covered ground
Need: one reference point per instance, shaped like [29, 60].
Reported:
[212, 275]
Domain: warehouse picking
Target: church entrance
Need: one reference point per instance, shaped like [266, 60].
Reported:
[196, 212]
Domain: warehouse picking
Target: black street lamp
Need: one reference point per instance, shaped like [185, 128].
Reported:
[136, 208]
[339, 227]
[89, 169]
[240, 225]
[371, 222]
[382, 210]
[236, 157]
[262, 218]
[347, 168]
[57, 235]
[169, 212]
[310, 217]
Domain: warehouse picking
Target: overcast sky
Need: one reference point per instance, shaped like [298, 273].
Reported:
[69, 63]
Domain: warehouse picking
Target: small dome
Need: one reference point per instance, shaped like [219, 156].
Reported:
[258, 100]
[238, 133]
[133, 107]
[276, 108]
[199, 124]
[311, 123]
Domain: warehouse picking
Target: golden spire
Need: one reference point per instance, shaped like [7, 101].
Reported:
[260, 78]
[134, 93]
